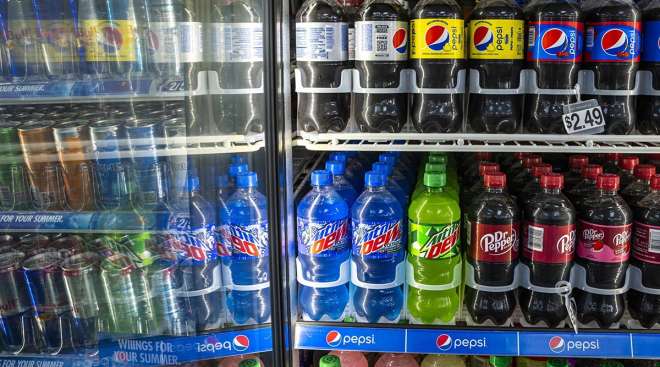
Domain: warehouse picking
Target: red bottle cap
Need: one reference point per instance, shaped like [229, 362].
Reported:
[655, 182]
[645, 171]
[592, 171]
[495, 180]
[488, 167]
[531, 160]
[541, 169]
[552, 181]
[520, 155]
[612, 157]
[628, 163]
[608, 181]
[578, 161]
[484, 156]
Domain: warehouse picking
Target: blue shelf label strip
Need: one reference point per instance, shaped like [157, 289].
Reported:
[92, 88]
[84, 221]
[350, 338]
[49, 361]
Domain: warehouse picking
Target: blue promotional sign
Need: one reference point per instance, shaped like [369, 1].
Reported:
[54, 361]
[64, 221]
[501, 343]
[645, 346]
[567, 344]
[350, 338]
[175, 350]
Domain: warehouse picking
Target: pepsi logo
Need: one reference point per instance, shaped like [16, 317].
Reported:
[615, 43]
[555, 42]
[483, 37]
[400, 40]
[333, 338]
[437, 37]
[557, 344]
[110, 39]
[658, 42]
[443, 342]
[241, 343]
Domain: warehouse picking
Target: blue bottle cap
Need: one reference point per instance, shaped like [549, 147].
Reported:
[321, 178]
[374, 179]
[237, 159]
[193, 183]
[222, 181]
[335, 167]
[236, 169]
[338, 156]
[245, 180]
[387, 158]
[382, 168]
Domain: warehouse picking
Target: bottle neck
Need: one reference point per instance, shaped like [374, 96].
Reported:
[552, 191]
[435, 189]
[576, 170]
[375, 188]
[495, 190]
[605, 192]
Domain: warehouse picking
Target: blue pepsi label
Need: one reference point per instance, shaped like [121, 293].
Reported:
[193, 244]
[554, 41]
[613, 42]
[322, 239]
[377, 239]
[248, 241]
[651, 48]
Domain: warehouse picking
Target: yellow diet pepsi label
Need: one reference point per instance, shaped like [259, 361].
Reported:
[497, 39]
[109, 40]
[435, 38]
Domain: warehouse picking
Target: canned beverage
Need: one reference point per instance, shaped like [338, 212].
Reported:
[112, 172]
[59, 48]
[14, 193]
[145, 138]
[81, 279]
[175, 134]
[45, 283]
[73, 148]
[170, 314]
[40, 157]
[126, 286]
[25, 57]
[14, 303]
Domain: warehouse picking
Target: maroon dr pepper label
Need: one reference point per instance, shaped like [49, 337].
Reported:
[646, 243]
[548, 243]
[497, 243]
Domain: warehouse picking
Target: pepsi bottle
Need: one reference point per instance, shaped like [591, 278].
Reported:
[648, 107]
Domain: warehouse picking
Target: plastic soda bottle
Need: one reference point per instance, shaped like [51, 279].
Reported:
[396, 360]
[436, 360]
[329, 361]
[434, 255]
[350, 359]
[340, 183]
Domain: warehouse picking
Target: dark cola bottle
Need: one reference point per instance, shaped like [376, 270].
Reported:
[626, 172]
[548, 245]
[604, 231]
[469, 192]
[470, 172]
[524, 175]
[574, 175]
[493, 227]
[533, 186]
[645, 307]
[587, 186]
[640, 187]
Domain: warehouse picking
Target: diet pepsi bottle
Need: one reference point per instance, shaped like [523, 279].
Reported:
[648, 107]
[381, 52]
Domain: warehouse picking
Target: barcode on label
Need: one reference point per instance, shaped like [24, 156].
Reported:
[654, 241]
[589, 38]
[535, 238]
[532, 36]
[381, 46]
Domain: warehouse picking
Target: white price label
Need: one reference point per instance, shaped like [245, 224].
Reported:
[584, 117]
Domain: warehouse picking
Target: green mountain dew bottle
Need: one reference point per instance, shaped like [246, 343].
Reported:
[329, 361]
[434, 255]
[494, 361]
[557, 362]
[252, 362]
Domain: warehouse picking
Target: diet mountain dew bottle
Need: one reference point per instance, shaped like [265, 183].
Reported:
[434, 255]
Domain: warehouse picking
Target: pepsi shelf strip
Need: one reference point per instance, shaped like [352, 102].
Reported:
[477, 341]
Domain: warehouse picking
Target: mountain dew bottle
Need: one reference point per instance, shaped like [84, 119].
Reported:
[434, 277]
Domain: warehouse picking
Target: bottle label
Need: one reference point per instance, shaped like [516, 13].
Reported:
[493, 242]
[237, 42]
[437, 39]
[223, 240]
[22, 40]
[548, 244]
[322, 239]
[381, 41]
[609, 244]
[106, 40]
[651, 47]
[60, 40]
[170, 42]
[376, 240]
[196, 244]
[496, 39]
[435, 241]
[556, 41]
[248, 241]
[351, 43]
[321, 41]
[612, 42]
[646, 243]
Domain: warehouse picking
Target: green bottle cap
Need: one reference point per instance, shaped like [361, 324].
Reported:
[500, 361]
[435, 167]
[252, 362]
[438, 159]
[329, 361]
[556, 362]
[435, 179]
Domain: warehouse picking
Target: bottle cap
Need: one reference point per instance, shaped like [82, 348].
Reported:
[237, 159]
[337, 168]
[655, 182]
[437, 159]
[248, 179]
[495, 180]
[222, 181]
[628, 163]
[612, 157]
[329, 361]
[531, 160]
[382, 168]
[193, 183]
[435, 179]
[556, 362]
[321, 177]
[484, 156]
[237, 169]
[374, 179]
[520, 155]
[488, 167]
[387, 158]
[592, 171]
[252, 362]
[541, 169]
[645, 171]
[552, 181]
[435, 167]
[338, 156]
[608, 181]
[495, 361]
[578, 161]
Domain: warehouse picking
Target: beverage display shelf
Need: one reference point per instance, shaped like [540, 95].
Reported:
[469, 142]
[156, 351]
[640, 344]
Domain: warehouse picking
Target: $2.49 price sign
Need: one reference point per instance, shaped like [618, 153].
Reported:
[584, 117]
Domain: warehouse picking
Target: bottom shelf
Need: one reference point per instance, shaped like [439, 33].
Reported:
[477, 341]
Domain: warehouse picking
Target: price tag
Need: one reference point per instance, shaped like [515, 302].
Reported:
[583, 117]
